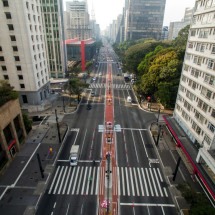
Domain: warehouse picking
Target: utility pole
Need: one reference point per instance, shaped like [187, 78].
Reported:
[159, 131]
[176, 169]
[158, 115]
[40, 165]
[58, 129]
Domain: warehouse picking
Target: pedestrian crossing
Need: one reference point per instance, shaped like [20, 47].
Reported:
[127, 181]
[114, 86]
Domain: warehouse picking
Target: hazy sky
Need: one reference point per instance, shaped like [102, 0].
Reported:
[108, 10]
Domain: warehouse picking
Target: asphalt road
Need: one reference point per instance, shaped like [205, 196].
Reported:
[142, 187]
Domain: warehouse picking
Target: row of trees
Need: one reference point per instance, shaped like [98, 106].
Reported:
[157, 66]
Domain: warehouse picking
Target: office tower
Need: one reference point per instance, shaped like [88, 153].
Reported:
[53, 24]
[144, 19]
[77, 20]
[23, 59]
[195, 104]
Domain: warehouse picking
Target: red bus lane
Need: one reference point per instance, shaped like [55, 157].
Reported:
[108, 195]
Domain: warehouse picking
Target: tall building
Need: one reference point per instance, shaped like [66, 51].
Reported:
[175, 27]
[144, 19]
[23, 59]
[77, 20]
[52, 15]
[195, 104]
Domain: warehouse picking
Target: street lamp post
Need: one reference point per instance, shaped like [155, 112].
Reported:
[159, 131]
[158, 115]
[58, 129]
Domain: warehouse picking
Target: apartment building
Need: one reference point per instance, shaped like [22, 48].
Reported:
[195, 104]
[23, 60]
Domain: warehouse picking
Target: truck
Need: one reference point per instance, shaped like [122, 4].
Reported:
[74, 152]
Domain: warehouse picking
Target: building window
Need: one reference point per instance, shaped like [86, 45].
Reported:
[12, 38]
[24, 99]
[20, 77]
[18, 68]
[207, 139]
[6, 77]
[4, 68]
[15, 48]
[10, 27]
[213, 49]
[16, 58]
[22, 86]
[27, 4]
[211, 127]
[196, 128]
[210, 64]
[213, 113]
[1, 58]
[8, 15]
[205, 92]
[5, 3]
[0, 49]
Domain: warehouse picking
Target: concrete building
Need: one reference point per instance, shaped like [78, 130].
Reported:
[52, 16]
[165, 32]
[175, 27]
[23, 61]
[195, 104]
[144, 19]
[12, 131]
[77, 20]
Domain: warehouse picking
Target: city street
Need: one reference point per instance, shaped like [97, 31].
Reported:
[135, 177]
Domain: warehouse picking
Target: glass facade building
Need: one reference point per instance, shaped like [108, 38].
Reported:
[144, 19]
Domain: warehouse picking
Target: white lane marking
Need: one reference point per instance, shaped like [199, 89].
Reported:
[132, 184]
[97, 180]
[150, 186]
[128, 188]
[153, 181]
[144, 144]
[74, 185]
[147, 204]
[161, 179]
[54, 204]
[62, 181]
[68, 176]
[123, 182]
[165, 191]
[79, 180]
[94, 178]
[162, 210]
[88, 182]
[158, 182]
[135, 129]
[50, 189]
[58, 180]
[135, 178]
[135, 146]
[144, 180]
[71, 180]
[118, 181]
[140, 180]
[67, 211]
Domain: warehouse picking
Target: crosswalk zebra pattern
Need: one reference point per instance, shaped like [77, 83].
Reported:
[140, 182]
[84, 180]
[114, 86]
[76, 180]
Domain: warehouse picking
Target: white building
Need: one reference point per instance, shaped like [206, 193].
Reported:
[77, 20]
[195, 104]
[23, 59]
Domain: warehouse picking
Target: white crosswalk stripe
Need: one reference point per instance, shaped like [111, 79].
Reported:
[114, 86]
[78, 180]
[140, 182]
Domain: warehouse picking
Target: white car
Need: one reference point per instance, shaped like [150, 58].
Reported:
[100, 74]
[94, 78]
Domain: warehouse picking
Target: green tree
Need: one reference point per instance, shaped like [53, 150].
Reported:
[181, 40]
[6, 92]
[75, 86]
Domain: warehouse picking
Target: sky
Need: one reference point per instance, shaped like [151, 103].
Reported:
[108, 10]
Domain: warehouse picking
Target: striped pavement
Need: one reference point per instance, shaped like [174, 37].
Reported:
[84, 180]
[114, 86]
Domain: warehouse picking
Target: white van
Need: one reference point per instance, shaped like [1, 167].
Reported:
[129, 99]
